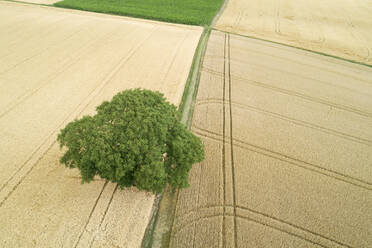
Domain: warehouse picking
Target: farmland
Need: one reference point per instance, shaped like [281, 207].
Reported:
[195, 12]
[47, 2]
[57, 65]
[288, 150]
[287, 132]
[339, 28]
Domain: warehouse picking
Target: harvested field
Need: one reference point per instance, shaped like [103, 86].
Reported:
[340, 28]
[57, 65]
[297, 171]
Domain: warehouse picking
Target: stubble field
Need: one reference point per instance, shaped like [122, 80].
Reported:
[340, 28]
[296, 172]
[57, 65]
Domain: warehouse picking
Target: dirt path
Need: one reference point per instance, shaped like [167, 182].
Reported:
[297, 170]
[340, 28]
[56, 65]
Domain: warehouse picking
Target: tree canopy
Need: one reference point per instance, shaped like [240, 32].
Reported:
[134, 139]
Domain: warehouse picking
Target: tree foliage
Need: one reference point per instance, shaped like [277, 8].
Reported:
[135, 139]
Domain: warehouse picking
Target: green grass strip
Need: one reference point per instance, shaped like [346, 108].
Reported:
[191, 88]
[193, 12]
[158, 232]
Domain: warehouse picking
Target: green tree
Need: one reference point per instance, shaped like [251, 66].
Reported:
[135, 139]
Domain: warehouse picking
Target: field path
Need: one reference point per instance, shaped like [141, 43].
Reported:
[340, 28]
[288, 139]
[57, 65]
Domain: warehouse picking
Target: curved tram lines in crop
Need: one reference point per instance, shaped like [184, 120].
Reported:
[289, 119]
[289, 160]
[264, 220]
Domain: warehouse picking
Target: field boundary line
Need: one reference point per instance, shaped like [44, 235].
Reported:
[231, 140]
[186, 106]
[219, 13]
[105, 15]
[27, 3]
[293, 161]
[356, 35]
[224, 143]
[192, 106]
[158, 232]
[305, 65]
[297, 47]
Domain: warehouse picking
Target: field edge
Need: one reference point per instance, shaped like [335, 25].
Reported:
[158, 232]
[199, 22]
[296, 47]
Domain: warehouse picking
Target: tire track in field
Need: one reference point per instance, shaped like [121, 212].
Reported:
[237, 19]
[90, 214]
[356, 36]
[45, 31]
[174, 56]
[291, 120]
[290, 92]
[197, 202]
[282, 157]
[104, 214]
[265, 220]
[297, 75]
[43, 50]
[277, 19]
[304, 53]
[200, 168]
[307, 97]
[76, 112]
[49, 79]
[206, 217]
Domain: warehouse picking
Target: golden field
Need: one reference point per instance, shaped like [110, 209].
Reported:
[296, 172]
[341, 28]
[57, 65]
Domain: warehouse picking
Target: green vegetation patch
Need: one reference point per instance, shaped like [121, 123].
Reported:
[194, 12]
[135, 139]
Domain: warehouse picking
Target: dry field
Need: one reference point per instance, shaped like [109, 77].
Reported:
[56, 65]
[50, 2]
[341, 28]
[297, 171]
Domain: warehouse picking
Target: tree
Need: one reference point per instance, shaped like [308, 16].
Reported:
[135, 139]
